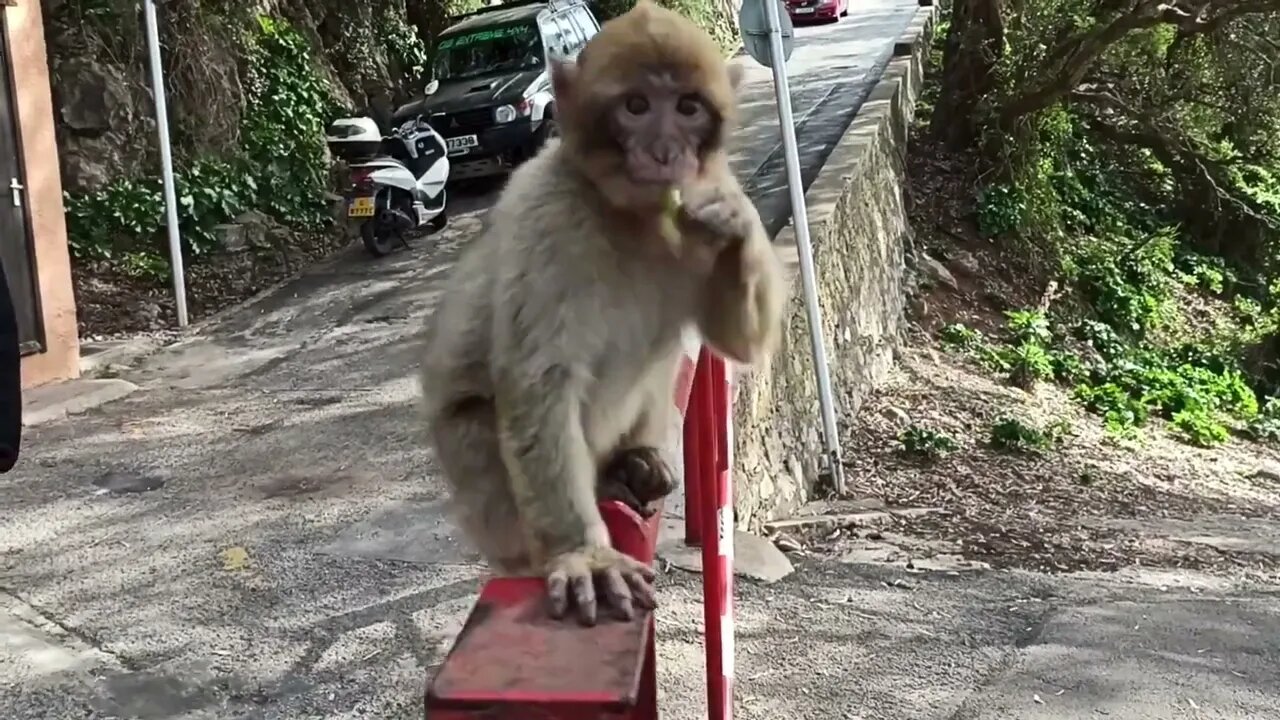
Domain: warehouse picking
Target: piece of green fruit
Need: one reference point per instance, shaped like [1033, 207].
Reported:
[670, 206]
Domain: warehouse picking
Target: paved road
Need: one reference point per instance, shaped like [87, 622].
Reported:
[257, 533]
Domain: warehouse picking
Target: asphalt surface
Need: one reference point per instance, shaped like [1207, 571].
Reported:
[256, 533]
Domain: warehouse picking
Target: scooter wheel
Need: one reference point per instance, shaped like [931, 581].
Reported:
[439, 222]
[378, 244]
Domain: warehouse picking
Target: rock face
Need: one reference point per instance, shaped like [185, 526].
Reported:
[99, 123]
[102, 90]
[860, 234]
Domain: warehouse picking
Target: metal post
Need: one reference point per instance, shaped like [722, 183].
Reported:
[800, 219]
[166, 161]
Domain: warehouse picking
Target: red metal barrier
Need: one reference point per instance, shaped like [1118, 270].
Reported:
[709, 422]
[512, 662]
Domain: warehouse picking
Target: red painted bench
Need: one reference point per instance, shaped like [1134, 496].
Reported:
[511, 661]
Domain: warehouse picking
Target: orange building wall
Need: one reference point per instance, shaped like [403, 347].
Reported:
[34, 115]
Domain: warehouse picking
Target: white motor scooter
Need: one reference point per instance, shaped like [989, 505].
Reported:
[397, 181]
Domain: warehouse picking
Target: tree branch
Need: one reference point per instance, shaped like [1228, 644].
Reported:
[1070, 60]
[1175, 152]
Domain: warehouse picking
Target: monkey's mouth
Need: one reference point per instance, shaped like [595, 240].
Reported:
[646, 170]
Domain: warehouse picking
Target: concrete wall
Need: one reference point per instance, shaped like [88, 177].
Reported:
[859, 230]
[24, 29]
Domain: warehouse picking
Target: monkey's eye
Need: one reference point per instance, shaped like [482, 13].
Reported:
[688, 104]
[637, 104]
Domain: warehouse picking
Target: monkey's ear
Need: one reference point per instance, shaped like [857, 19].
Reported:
[564, 79]
[736, 71]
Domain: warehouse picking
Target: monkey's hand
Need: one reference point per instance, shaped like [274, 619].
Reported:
[716, 214]
[623, 581]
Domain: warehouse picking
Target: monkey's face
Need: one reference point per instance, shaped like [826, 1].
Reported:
[660, 131]
[645, 105]
[645, 132]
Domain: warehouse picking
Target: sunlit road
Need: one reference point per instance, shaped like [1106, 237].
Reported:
[288, 429]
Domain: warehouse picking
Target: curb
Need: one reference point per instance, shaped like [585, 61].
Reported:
[859, 234]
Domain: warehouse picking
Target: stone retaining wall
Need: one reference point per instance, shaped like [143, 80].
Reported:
[859, 230]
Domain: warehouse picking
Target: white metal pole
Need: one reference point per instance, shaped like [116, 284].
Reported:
[166, 161]
[800, 220]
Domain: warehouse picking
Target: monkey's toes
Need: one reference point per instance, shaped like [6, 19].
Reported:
[618, 491]
[643, 472]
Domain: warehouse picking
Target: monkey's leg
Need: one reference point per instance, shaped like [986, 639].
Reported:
[638, 472]
[466, 445]
[637, 477]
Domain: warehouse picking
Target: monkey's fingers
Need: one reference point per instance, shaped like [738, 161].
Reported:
[558, 593]
[617, 594]
[641, 591]
[584, 596]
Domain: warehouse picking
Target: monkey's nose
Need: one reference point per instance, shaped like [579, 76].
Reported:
[665, 152]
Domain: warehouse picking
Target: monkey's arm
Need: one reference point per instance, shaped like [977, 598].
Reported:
[547, 457]
[745, 293]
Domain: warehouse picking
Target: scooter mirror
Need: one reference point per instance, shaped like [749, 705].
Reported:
[431, 88]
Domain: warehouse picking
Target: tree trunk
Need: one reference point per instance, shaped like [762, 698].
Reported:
[975, 42]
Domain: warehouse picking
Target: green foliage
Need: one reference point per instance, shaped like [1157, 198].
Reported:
[960, 336]
[284, 120]
[1142, 162]
[1206, 273]
[922, 442]
[1200, 428]
[1001, 209]
[1266, 424]
[1012, 434]
[710, 16]
[405, 46]
[1028, 326]
[280, 169]
[1029, 363]
[124, 221]
[1129, 287]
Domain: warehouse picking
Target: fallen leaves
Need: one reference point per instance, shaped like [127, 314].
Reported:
[235, 559]
[1046, 513]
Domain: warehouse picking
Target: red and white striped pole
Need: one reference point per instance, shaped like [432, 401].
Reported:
[715, 511]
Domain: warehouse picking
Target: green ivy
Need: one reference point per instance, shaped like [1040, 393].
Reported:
[279, 170]
[926, 443]
[285, 115]
[404, 44]
[125, 220]
[1001, 209]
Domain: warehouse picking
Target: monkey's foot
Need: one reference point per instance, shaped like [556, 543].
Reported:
[584, 576]
[637, 477]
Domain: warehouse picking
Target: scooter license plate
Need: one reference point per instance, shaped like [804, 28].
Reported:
[360, 207]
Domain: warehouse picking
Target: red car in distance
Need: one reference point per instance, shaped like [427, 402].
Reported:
[813, 10]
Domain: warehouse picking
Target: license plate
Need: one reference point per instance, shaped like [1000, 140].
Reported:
[461, 145]
[360, 207]
[802, 11]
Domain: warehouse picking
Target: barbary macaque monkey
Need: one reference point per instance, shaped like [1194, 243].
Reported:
[550, 364]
